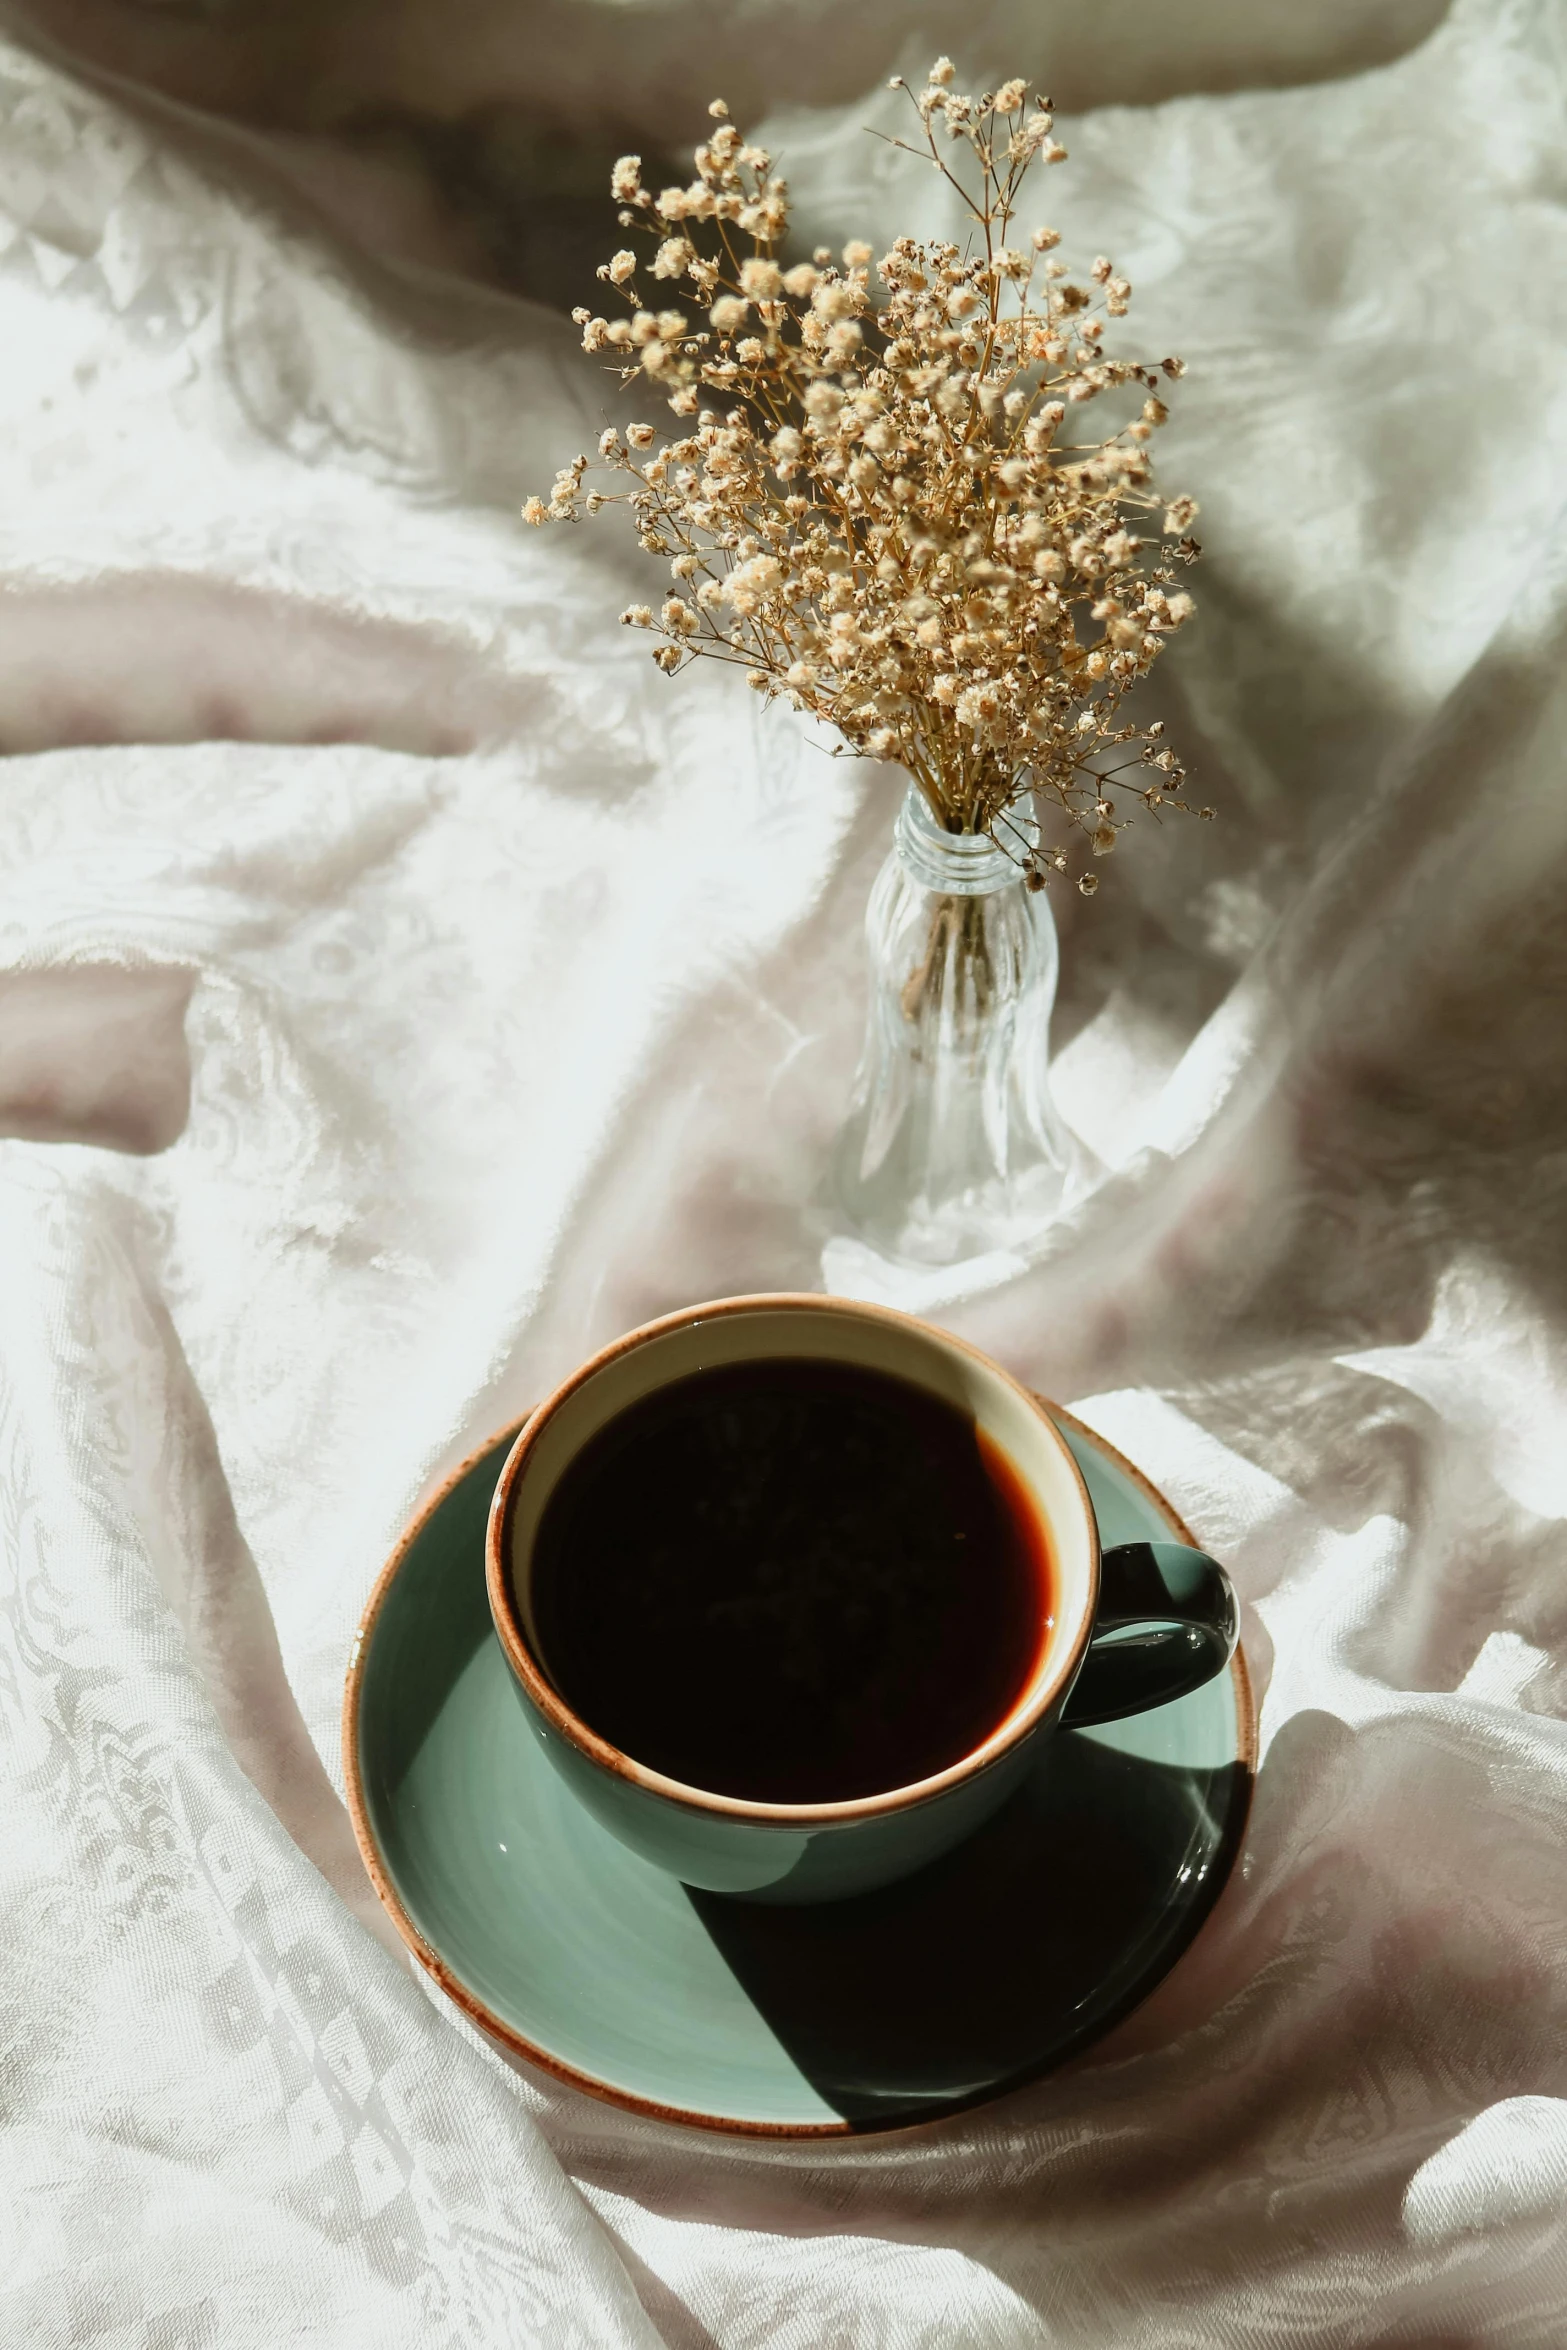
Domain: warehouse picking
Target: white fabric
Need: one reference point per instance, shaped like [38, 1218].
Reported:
[489, 995]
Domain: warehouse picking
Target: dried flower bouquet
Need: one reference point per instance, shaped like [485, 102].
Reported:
[880, 515]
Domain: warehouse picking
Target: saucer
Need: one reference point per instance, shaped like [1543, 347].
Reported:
[990, 1967]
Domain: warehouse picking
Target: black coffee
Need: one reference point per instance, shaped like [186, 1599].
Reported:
[798, 1582]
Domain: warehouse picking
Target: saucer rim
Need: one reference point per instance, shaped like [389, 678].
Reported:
[514, 2044]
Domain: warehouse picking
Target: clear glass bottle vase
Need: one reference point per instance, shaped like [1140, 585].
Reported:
[953, 1150]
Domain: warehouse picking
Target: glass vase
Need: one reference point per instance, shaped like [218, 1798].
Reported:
[953, 1159]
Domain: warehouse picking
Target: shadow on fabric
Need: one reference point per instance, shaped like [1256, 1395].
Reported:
[95, 1053]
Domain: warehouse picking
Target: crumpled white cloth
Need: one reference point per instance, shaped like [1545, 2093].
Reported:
[402, 989]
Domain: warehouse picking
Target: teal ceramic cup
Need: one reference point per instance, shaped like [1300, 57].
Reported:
[1131, 1628]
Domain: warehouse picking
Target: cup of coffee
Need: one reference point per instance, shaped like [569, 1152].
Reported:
[792, 1588]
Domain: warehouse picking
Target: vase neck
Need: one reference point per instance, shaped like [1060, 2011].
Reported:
[960, 864]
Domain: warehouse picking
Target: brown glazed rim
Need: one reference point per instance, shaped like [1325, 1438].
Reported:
[1018, 1725]
[506, 2037]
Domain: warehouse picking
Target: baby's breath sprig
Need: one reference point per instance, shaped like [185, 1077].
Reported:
[879, 516]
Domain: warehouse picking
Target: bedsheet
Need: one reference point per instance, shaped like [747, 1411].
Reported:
[402, 989]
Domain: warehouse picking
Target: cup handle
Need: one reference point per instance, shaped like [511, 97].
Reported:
[1167, 1621]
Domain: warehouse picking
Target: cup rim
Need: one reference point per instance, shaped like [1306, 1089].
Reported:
[570, 1725]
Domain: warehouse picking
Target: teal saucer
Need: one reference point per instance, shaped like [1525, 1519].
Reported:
[991, 1967]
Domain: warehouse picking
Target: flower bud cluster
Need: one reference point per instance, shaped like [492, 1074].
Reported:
[877, 498]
